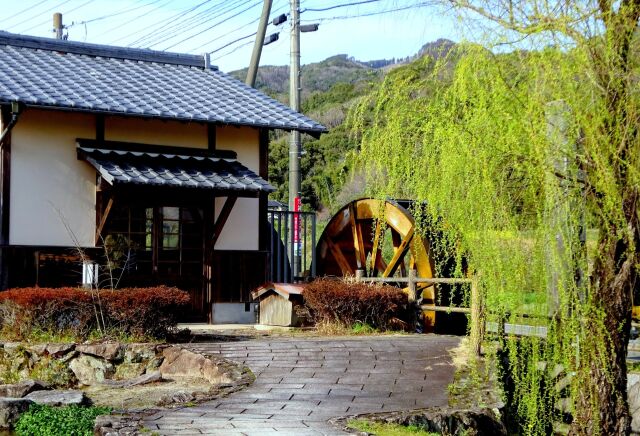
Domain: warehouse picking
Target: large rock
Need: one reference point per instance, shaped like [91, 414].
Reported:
[139, 353]
[179, 362]
[19, 390]
[141, 380]
[59, 398]
[90, 370]
[633, 397]
[117, 425]
[10, 410]
[129, 370]
[52, 350]
[110, 351]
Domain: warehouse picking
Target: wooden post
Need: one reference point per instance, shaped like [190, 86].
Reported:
[359, 275]
[477, 319]
[412, 286]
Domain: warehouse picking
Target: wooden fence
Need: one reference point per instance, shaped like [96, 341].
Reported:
[477, 309]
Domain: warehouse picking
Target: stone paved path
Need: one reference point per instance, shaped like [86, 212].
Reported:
[301, 383]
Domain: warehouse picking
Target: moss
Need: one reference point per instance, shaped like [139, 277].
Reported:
[385, 429]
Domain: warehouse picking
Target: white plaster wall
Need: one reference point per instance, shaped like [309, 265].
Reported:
[48, 183]
[241, 230]
[156, 132]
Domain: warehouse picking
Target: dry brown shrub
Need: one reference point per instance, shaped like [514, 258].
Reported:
[380, 306]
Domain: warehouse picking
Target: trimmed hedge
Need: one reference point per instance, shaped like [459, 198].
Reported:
[131, 311]
[380, 306]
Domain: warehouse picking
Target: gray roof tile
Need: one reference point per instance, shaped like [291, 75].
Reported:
[120, 163]
[97, 78]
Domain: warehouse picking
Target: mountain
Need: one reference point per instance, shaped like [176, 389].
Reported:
[329, 90]
[319, 76]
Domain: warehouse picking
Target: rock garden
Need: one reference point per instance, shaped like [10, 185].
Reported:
[62, 349]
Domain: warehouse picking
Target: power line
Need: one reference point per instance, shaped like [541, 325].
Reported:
[175, 22]
[369, 14]
[344, 5]
[24, 10]
[214, 25]
[37, 15]
[134, 19]
[233, 42]
[42, 23]
[235, 30]
[233, 51]
[176, 30]
[104, 17]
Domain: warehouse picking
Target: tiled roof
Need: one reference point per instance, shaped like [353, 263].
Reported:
[43, 72]
[119, 163]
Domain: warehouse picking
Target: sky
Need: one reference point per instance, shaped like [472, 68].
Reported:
[373, 29]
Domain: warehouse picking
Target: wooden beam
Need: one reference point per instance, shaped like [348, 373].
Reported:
[211, 136]
[342, 261]
[222, 219]
[5, 178]
[356, 231]
[376, 253]
[263, 202]
[399, 254]
[100, 128]
[103, 220]
[395, 238]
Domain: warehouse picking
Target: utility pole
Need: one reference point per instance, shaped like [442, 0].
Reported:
[57, 25]
[294, 102]
[257, 46]
[294, 145]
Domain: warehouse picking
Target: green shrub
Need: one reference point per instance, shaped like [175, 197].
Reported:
[62, 421]
[376, 306]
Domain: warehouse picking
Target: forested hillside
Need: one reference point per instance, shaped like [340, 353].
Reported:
[330, 88]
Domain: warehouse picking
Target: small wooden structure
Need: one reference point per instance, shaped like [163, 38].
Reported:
[280, 304]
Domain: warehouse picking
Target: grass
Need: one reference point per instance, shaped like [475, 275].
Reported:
[39, 336]
[335, 328]
[385, 429]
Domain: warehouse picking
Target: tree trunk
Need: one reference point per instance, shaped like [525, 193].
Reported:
[602, 407]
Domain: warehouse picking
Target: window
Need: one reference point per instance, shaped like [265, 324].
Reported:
[166, 240]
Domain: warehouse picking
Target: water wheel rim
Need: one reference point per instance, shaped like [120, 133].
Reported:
[348, 241]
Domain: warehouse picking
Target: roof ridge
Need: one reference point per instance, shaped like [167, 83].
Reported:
[106, 51]
[132, 147]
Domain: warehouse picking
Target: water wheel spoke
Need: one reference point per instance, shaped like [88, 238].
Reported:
[398, 256]
[376, 258]
[344, 265]
[397, 241]
[358, 245]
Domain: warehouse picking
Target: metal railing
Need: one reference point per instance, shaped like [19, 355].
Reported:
[292, 244]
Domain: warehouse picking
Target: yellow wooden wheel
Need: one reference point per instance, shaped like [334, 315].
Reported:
[378, 237]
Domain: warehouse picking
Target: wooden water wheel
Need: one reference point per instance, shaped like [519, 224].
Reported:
[379, 238]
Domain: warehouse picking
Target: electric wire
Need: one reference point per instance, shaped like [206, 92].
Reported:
[115, 14]
[368, 14]
[214, 25]
[274, 12]
[344, 5]
[174, 22]
[232, 51]
[196, 21]
[157, 8]
[42, 23]
[233, 42]
[24, 10]
[38, 15]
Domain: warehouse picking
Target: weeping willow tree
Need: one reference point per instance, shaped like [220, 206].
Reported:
[519, 154]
